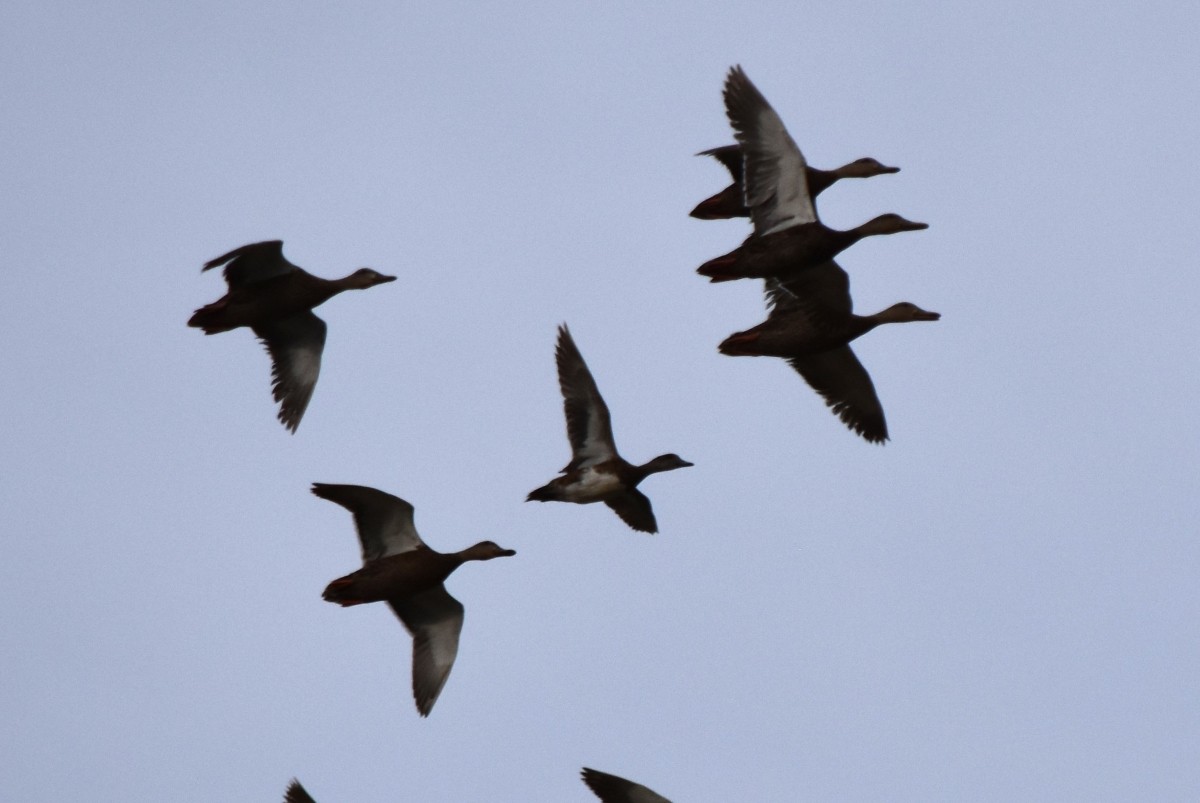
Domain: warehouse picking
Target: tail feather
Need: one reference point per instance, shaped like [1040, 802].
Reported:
[543, 494]
[340, 591]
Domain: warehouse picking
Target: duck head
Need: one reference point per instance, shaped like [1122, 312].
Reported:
[486, 550]
[864, 168]
[363, 278]
[890, 224]
[905, 312]
[666, 462]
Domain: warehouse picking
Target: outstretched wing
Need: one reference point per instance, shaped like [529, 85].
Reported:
[634, 508]
[615, 789]
[589, 428]
[252, 263]
[847, 388]
[435, 619]
[384, 522]
[297, 794]
[775, 180]
[295, 344]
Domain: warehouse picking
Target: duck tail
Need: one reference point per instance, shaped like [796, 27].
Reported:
[341, 591]
[208, 319]
[543, 494]
[740, 344]
[722, 206]
[717, 270]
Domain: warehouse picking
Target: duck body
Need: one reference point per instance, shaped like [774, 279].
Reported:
[787, 252]
[597, 473]
[401, 570]
[731, 201]
[265, 301]
[586, 485]
[393, 577]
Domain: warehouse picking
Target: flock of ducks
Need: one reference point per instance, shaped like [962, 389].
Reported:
[810, 323]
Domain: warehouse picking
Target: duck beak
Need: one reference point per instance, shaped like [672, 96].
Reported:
[914, 226]
[886, 169]
[507, 553]
[927, 316]
[385, 279]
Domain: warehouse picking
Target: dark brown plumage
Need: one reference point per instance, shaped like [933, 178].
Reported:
[275, 299]
[811, 324]
[788, 238]
[398, 568]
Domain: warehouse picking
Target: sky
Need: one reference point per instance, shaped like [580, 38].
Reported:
[1002, 603]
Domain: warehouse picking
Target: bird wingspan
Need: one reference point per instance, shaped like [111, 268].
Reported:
[730, 156]
[826, 284]
[384, 522]
[295, 344]
[635, 509]
[435, 619]
[775, 181]
[297, 794]
[615, 789]
[589, 427]
[252, 263]
[846, 387]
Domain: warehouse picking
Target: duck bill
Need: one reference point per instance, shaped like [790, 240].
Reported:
[927, 316]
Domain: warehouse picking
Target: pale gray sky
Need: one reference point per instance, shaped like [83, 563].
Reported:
[1000, 604]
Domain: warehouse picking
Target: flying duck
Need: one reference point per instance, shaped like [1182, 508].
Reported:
[399, 569]
[730, 202]
[811, 324]
[596, 472]
[787, 236]
[275, 299]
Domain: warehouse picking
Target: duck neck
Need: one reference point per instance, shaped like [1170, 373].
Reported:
[819, 180]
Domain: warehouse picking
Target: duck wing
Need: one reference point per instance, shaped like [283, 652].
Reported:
[589, 428]
[615, 789]
[297, 794]
[435, 619]
[846, 387]
[295, 344]
[634, 508]
[384, 522]
[252, 263]
[827, 283]
[730, 156]
[775, 183]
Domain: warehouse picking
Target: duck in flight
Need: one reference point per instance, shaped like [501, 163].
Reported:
[275, 299]
[596, 472]
[788, 238]
[730, 202]
[811, 324]
[399, 569]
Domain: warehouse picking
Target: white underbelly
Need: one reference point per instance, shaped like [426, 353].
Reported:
[592, 485]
